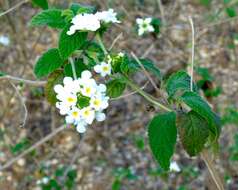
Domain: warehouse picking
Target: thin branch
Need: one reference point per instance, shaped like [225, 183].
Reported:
[13, 8]
[192, 54]
[25, 81]
[161, 8]
[115, 41]
[73, 67]
[212, 170]
[23, 104]
[39, 143]
[148, 50]
[145, 72]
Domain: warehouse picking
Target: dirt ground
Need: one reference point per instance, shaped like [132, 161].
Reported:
[119, 143]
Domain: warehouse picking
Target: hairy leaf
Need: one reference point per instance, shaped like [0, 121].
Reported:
[193, 131]
[178, 83]
[48, 62]
[200, 106]
[162, 137]
[68, 44]
[50, 17]
[115, 88]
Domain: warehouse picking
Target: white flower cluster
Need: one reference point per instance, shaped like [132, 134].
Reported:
[81, 100]
[92, 22]
[144, 26]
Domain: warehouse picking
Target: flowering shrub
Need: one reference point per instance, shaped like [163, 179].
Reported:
[81, 55]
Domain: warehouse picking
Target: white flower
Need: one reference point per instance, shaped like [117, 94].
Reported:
[89, 89]
[81, 126]
[88, 115]
[45, 180]
[103, 69]
[4, 40]
[107, 16]
[84, 22]
[174, 167]
[144, 25]
[62, 108]
[73, 116]
[100, 116]
[99, 103]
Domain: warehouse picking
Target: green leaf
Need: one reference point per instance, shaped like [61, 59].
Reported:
[79, 67]
[149, 66]
[41, 3]
[178, 83]
[193, 131]
[68, 44]
[130, 65]
[231, 12]
[54, 79]
[67, 14]
[2, 74]
[115, 88]
[94, 51]
[205, 2]
[78, 8]
[20, 146]
[156, 23]
[50, 17]
[162, 137]
[48, 62]
[200, 106]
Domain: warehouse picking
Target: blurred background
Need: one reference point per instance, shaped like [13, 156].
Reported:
[115, 154]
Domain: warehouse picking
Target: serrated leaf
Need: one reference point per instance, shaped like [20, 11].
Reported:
[115, 88]
[79, 68]
[68, 44]
[48, 62]
[178, 83]
[50, 17]
[41, 3]
[162, 134]
[54, 79]
[193, 132]
[78, 8]
[200, 106]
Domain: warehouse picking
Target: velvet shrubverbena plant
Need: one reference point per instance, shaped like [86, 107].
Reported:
[81, 55]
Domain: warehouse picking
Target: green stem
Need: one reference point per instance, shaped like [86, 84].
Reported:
[99, 39]
[145, 95]
[73, 68]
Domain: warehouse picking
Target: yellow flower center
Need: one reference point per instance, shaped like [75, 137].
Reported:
[105, 68]
[75, 114]
[97, 102]
[70, 99]
[88, 90]
[86, 113]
